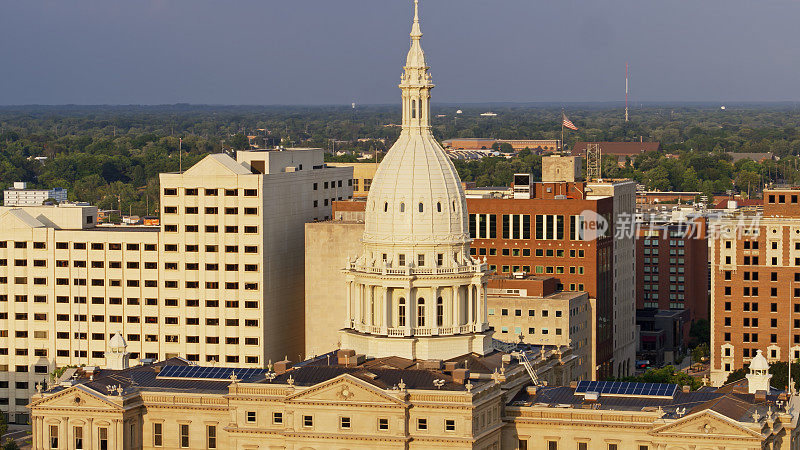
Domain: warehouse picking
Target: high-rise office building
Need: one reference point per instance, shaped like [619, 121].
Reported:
[755, 283]
[221, 281]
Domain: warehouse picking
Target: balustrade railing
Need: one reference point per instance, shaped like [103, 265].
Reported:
[468, 268]
[416, 331]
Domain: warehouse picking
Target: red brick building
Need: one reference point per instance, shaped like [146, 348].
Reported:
[672, 277]
[540, 236]
[755, 284]
[672, 266]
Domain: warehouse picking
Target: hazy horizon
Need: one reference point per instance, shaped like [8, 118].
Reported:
[322, 53]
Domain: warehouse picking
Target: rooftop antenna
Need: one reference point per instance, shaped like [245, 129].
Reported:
[626, 91]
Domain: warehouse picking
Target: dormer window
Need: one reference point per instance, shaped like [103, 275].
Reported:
[420, 207]
[385, 206]
[438, 206]
[402, 207]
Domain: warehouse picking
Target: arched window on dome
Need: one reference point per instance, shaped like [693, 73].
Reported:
[454, 205]
[439, 312]
[385, 206]
[438, 206]
[420, 312]
[413, 109]
[401, 312]
[421, 105]
[421, 208]
[402, 207]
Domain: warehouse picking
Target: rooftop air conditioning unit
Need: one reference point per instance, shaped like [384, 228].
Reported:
[592, 396]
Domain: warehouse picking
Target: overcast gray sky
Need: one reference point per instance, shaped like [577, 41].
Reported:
[338, 51]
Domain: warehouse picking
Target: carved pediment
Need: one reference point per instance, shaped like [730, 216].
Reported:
[345, 389]
[75, 397]
[705, 423]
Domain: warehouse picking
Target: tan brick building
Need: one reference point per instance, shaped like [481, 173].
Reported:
[220, 281]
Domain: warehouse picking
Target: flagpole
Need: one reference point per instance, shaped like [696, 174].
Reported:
[562, 130]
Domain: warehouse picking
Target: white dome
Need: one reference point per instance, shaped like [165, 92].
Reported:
[416, 196]
[759, 362]
[117, 341]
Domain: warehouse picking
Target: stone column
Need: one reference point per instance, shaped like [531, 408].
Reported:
[484, 309]
[409, 310]
[35, 436]
[44, 434]
[430, 310]
[456, 307]
[63, 433]
[480, 302]
[117, 440]
[88, 439]
[349, 304]
[357, 301]
[387, 312]
[368, 299]
[435, 315]
[471, 305]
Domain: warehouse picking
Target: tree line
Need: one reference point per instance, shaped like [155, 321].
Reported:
[111, 155]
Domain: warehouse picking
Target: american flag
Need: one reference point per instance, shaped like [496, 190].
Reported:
[566, 123]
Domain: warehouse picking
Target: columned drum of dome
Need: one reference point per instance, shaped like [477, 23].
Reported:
[415, 291]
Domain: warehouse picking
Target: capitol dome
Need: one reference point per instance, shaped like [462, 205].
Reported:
[415, 292]
[416, 195]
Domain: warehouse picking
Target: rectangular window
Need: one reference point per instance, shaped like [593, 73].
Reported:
[184, 435]
[344, 423]
[277, 418]
[211, 436]
[54, 436]
[383, 424]
[308, 421]
[77, 433]
[422, 424]
[102, 437]
[450, 425]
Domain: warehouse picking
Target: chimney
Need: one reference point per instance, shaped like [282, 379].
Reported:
[282, 366]
[531, 390]
[686, 389]
[760, 396]
[450, 366]
[345, 356]
[460, 376]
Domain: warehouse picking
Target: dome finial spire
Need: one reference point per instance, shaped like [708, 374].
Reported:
[416, 32]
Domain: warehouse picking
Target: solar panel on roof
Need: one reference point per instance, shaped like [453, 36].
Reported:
[623, 388]
[208, 373]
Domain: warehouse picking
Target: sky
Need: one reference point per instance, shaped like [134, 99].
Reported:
[266, 52]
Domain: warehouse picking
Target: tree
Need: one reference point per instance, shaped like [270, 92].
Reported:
[3, 424]
[737, 375]
[239, 142]
[666, 374]
[700, 332]
[700, 353]
[10, 444]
